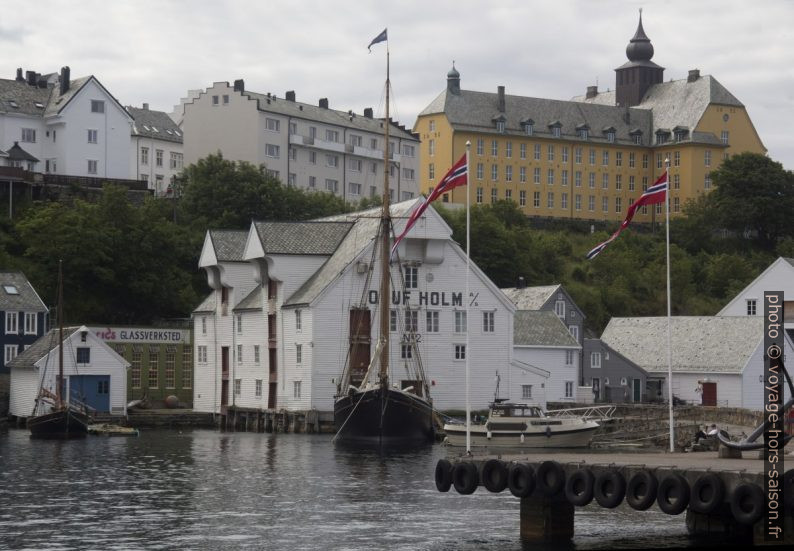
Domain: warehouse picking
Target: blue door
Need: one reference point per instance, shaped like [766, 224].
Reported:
[92, 390]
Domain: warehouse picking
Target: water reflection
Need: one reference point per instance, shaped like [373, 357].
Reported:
[209, 490]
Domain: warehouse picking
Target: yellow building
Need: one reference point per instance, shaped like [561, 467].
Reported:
[588, 158]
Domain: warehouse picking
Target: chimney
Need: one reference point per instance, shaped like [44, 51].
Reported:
[501, 90]
[521, 283]
[592, 91]
[290, 95]
[30, 76]
[64, 79]
[368, 112]
[239, 85]
[20, 78]
[145, 106]
[324, 103]
[42, 83]
[694, 74]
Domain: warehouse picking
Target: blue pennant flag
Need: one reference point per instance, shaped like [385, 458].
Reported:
[380, 38]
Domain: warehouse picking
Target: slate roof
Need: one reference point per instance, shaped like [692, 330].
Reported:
[363, 229]
[302, 238]
[705, 344]
[43, 346]
[154, 124]
[541, 328]
[530, 298]
[207, 305]
[328, 116]
[58, 101]
[27, 300]
[253, 301]
[16, 153]
[229, 245]
[25, 96]
[475, 111]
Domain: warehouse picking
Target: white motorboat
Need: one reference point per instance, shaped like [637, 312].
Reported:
[523, 426]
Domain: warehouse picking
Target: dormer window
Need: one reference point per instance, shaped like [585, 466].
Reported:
[555, 129]
[500, 127]
[611, 137]
[583, 131]
[662, 136]
[680, 134]
[637, 139]
[529, 127]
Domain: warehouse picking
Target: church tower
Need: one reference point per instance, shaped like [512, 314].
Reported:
[633, 78]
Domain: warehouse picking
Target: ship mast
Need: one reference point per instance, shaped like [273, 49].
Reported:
[59, 382]
[385, 229]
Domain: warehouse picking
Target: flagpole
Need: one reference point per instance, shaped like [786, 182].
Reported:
[468, 263]
[669, 330]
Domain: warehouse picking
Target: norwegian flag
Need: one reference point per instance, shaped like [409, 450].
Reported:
[657, 193]
[457, 176]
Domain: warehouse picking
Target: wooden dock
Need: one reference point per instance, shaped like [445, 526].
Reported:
[720, 495]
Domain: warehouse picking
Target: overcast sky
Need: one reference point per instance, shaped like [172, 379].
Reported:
[154, 51]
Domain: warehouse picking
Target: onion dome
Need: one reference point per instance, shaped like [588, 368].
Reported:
[640, 47]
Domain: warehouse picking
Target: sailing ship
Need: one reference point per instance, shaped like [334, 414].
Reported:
[61, 417]
[368, 408]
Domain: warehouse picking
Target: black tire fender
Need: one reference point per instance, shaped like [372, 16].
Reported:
[443, 475]
[465, 477]
[747, 503]
[610, 489]
[550, 478]
[673, 495]
[521, 479]
[708, 492]
[579, 487]
[494, 475]
[641, 490]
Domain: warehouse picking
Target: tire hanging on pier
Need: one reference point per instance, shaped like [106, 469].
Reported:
[443, 475]
[610, 488]
[641, 490]
[579, 487]
[708, 493]
[550, 479]
[494, 475]
[747, 503]
[673, 494]
[465, 477]
[521, 479]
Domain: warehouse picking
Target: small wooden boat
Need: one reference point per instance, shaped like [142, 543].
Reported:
[107, 429]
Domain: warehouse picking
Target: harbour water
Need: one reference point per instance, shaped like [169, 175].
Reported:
[208, 490]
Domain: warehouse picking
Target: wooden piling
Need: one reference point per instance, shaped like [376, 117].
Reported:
[545, 519]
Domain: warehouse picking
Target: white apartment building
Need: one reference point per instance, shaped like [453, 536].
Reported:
[308, 146]
[64, 126]
[156, 152]
[274, 331]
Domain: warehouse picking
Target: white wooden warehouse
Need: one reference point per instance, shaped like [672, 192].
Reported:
[273, 333]
[94, 373]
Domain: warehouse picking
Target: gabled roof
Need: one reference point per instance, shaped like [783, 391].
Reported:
[229, 245]
[207, 305]
[530, 298]
[26, 299]
[701, 344]
[541, 328]
[43, 346]
[16, 153]
[786, 263]
[58, 101]
[27, 98]
[253, 301]
[302, 238]
[154, 124]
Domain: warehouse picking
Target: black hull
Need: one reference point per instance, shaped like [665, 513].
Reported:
[58, 425]
[383, 417]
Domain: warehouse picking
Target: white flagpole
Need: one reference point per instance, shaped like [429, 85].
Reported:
[669, 330]
[468, 262]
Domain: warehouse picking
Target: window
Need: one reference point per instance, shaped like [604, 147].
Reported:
[751, 306]
[611, 137]
[479, 195]
[631, 182]
[578, 202]
[618, 158]
[204, 325]
[658, 160]
[574, 330]
[500, 126]
[480, 171]
[605, 181]
[522, 198]
[239, 353]
[238, 387]
[529, 128]
[431, 318]
[93, 136]
[523, 151]
[333, 136]
[724, 137]
[494, 148]
[555, 131]
[644, 160]
[331, 185]
[10, 352]
[392, 320]
[431, 147]
[202, 354]
[618, 182]
[559, 308]
[92, 166]
[460, 351]
[536, 152]
[565, 177]
[522, 174]
[605, 158]
[83, 355]
[676, 204]
[536, 199]
[569, 389]
[12, 322]
[312, 182]
[591, 203]
[494, 196]
[494, 172]
[676, 181]
[508, 173]
[605, 204]
[411, 277]
[595, 360]
[618, 204]
[170, 366]
[214, 100]
[273, 151]
[583, 133]
[550, 177]
[432, 126]
[480, 146]
[564, 201]
[526, 391]
[569, 356]
[577, 155]
[411, 321]
[298, 354]
[332, 161]
[632, 161]
[577, 178]
[550, 153]
[591, 156]
[176, 161]
[488, 322]
[273, 125]
[158, 157]
[676, 158]
[406, 351]
[536, 175]
[460, 321]
[550, 200]
[355, 189]
[258, 388]
[509, 194]
[239, 324]
[707, 158]
[31, 323]
[135, 368]
[296, 389]
[591, 180]
[707, 181]
[187, 367]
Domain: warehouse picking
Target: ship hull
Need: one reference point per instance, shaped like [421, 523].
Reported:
[577, 435]
[58, 425]
[386, 417]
